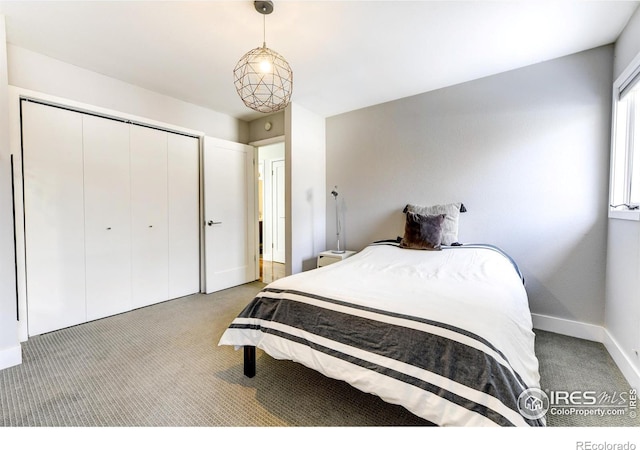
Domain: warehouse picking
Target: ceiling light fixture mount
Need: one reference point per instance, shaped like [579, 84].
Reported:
[263, 78]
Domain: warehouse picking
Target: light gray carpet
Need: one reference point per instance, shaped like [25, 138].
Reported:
[161, 366]
[570, 364]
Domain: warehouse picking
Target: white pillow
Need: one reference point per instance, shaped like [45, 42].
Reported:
[450, 225]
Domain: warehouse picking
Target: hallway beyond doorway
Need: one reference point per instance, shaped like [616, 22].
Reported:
[270, 271]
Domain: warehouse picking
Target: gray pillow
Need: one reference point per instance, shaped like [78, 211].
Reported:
[422, 232]
[450, 226]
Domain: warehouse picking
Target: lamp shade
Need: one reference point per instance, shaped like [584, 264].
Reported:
[264, 80]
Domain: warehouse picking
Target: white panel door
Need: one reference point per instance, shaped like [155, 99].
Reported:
[279, 218]
[184, 215]
[229, 214]
[149, 216]
[107, 205]
[54, 217]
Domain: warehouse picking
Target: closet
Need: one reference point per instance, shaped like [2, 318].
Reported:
[111, 215]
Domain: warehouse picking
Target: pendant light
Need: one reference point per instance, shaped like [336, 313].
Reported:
[263, 77]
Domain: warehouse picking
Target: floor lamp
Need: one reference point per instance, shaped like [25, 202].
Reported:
[335, 197]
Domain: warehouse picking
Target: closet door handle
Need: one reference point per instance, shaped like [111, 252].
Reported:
[211, 222]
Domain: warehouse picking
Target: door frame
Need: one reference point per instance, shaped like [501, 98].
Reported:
[274, 218]
[256, 145]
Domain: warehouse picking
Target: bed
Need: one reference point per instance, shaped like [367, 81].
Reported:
[447, 334]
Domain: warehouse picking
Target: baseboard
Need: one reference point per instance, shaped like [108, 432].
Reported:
[568, 327]
[10, 357]
[628, 369]
[590, 332]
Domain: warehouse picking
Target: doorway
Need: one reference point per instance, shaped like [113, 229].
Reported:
[271, 211]
[229, 214]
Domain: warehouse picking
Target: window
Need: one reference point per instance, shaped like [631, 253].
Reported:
[625, 156]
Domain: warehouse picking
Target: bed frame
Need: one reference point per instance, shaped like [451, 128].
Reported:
[249, 361]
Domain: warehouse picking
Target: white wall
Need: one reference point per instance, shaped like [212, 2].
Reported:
[37, 72]
[305, 196]
[622, 313]
[628, 45]
[526, 151]
[10, 353]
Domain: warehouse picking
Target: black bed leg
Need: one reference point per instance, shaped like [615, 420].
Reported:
[249, 361]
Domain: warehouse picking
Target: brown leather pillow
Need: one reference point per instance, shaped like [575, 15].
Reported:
[422, 232]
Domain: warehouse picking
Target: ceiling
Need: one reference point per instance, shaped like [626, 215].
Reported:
[345, 55]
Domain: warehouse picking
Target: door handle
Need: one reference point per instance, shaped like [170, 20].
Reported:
[211, 222]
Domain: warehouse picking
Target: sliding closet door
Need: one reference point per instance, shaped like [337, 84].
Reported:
[149, 220]
[184, 215]
[54, 217]
[107, 205]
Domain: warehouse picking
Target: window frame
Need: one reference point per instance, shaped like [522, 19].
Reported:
[621, 172]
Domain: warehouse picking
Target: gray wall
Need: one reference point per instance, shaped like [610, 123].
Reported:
[527, 152]
[627, 45]
[257, 131]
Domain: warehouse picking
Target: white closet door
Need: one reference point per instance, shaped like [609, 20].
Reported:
[184, 215]
[150, 249]
[54, 217]
[107, 204]
[230, 214]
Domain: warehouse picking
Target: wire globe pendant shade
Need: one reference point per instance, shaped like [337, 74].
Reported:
[263, 78]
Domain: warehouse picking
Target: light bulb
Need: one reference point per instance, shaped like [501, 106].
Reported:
[265, 66]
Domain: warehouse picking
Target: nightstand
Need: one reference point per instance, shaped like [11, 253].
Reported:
[328, 257]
